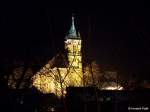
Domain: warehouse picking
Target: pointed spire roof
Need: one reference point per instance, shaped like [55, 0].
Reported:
[72, 32]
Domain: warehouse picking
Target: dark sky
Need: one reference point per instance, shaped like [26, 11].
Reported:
[116, 36]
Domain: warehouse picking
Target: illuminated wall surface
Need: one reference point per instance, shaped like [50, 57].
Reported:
[53, 82]
[74, 52]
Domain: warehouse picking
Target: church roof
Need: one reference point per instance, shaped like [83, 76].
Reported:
[60, 61]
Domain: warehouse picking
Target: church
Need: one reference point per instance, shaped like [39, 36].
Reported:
[68, 71]
[54, 78]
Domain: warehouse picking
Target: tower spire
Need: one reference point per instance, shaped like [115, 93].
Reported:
[72, 31]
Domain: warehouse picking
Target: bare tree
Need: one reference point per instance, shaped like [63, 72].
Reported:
[20, 77]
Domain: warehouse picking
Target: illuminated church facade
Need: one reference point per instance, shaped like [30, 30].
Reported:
[53, 79]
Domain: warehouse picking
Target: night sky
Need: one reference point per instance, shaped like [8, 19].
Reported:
[116, 36]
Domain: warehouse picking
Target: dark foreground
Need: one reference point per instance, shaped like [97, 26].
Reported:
[77, 100]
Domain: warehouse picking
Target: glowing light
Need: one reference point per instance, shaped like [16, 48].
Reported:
[113, 88]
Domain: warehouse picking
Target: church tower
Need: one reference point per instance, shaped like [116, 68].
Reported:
[73, 45]
[54, 79]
